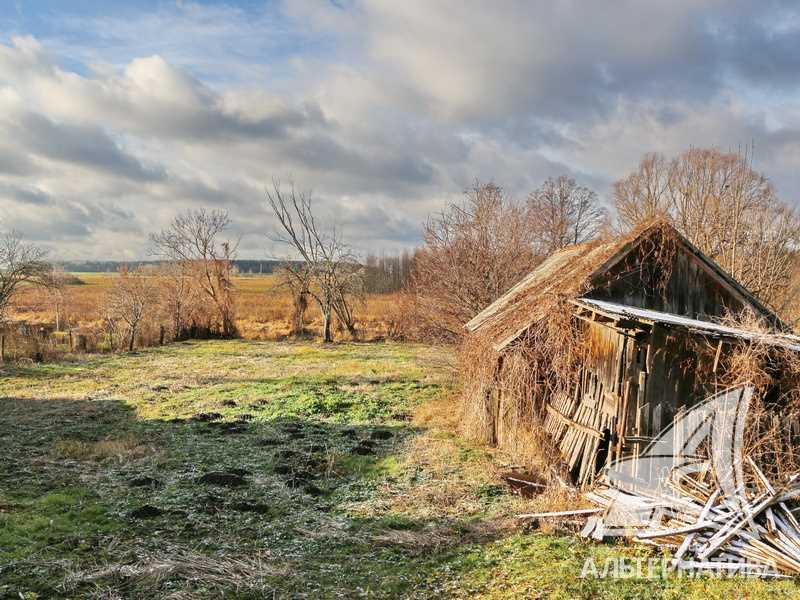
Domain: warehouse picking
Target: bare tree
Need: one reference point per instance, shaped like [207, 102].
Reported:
[297, 277]
[348, 292]
[474, 251]
[132, 294]
[177, 295]
[564, 213]
[644, 194]
[193, 241]
[20, 263]
[725, 207]
[331, 266]
[55, 282]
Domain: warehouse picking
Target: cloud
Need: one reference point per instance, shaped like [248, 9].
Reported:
[81, 145]
[111, 124]
[24, 195]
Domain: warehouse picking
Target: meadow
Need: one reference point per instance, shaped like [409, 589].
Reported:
[251, 469]
[263, 312]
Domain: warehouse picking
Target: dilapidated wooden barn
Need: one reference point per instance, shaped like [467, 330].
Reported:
[609, 341]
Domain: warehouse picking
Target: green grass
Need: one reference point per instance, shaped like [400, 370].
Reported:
[341, 492]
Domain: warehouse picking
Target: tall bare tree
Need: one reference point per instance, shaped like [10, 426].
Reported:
[20, 263]
[564, 213]
[474, 251]
[725, 207]
[332, 267]
[132, 295]
[193, 241]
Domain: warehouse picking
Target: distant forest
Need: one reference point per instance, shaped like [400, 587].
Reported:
[112, 266]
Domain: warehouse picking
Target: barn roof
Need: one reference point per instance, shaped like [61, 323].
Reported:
[574, 271]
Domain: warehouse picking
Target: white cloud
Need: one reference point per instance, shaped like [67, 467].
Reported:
[387, 110]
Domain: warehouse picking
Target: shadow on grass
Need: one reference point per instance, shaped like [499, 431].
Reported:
[92, 497]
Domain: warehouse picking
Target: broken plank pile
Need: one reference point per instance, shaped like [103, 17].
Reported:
[577, 427]
[756, 533]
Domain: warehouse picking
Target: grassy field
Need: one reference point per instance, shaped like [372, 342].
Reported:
[249, 469]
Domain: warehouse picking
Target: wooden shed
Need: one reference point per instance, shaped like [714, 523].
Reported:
[643, 304]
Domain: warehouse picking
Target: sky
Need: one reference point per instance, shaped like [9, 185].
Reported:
[115, 116]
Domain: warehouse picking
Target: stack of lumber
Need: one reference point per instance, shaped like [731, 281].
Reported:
[755, 532]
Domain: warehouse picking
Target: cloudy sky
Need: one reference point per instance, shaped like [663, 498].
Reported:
[114, 118]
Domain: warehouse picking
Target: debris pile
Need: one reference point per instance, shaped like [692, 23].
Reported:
[701, 527]
[697, 492]
[704, 529]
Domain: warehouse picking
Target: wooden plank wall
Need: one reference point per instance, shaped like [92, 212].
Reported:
[587, 422]
[674, 381]
[690, 289]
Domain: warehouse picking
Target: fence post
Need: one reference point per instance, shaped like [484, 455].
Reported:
[161, 336]
[2, 348]
[71, 348]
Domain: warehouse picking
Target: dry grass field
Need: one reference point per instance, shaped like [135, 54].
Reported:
[246, 469]
[263, 307]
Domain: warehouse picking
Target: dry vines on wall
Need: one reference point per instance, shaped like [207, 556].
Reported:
[772, 432]
[504, 393]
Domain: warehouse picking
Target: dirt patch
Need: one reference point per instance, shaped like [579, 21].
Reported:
[222, 478]
[381, 434]
[150, 482]
[313, 490]
[238, 471]
[282, 469]
[523, 483]
[364, 448]
[205, 417]
[147, 511]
